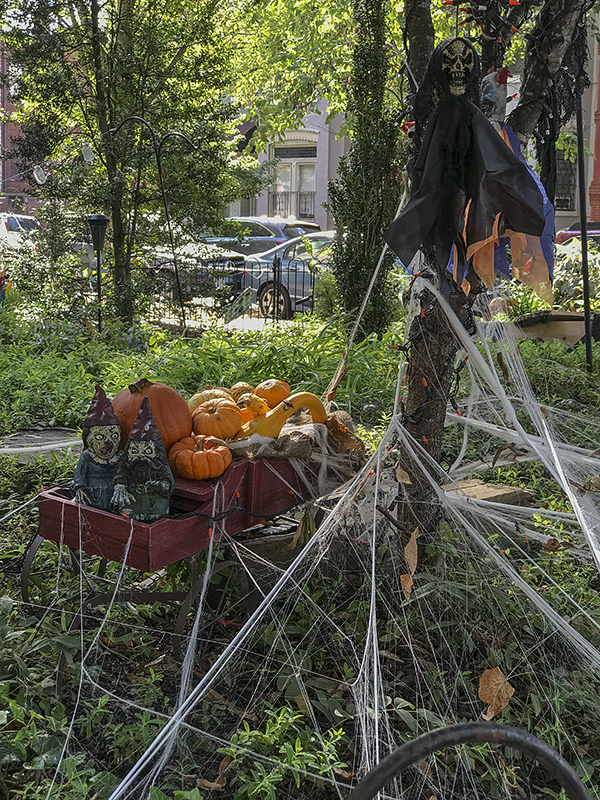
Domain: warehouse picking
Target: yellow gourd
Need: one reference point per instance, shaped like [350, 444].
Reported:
[270, 424]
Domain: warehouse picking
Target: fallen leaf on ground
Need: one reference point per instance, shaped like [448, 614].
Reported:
[554, 546]
[411, 552]
[342, 773]
[215, 786]
[301, 703]
[213, 695]
[495, 690]
[406, 583]
[402, 475]
[503, 367]
[136, 678]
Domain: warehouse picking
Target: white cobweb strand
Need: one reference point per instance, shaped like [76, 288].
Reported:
[355, 535]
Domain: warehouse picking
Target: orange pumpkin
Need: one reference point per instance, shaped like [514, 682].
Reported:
[192, 458]
[252, 406]
[209, 393]
[220, 418]
[273, 391]
[169, 409]
[238, 389]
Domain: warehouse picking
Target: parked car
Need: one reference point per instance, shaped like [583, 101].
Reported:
[593, 233]
[298, 264]
[258, 234]
[15, 229]
[202, 269]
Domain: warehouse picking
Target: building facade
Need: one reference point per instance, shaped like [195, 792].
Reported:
[307, 160]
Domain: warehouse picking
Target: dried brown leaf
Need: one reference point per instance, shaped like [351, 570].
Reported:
[342, 773]
[402, 475]
[544, 411]
[346, 440]
[554, 546]
[503, 367]
[595, 481]
[216, 786]
[136, 678]
[301, 703]
[498, 453]
[406, 583]
[411, 553]
[495, 690]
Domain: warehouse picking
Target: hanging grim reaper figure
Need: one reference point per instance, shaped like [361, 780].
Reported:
[469, 189]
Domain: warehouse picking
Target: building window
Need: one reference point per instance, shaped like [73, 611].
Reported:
[566, 183]
[292, 193]
[295, 152]
[246, 207]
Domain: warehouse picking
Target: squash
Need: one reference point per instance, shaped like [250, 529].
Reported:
[271, 423]
[209, 393]
[220, 418]
[273, 391]
[195, 459]
[169, 409]
[251, 406]
[238, 389]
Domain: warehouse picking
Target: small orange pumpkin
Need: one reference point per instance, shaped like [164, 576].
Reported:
[209, 393]
[252, 406]
[238, 389]
[192, 458]
[220, 418]
[273, 391]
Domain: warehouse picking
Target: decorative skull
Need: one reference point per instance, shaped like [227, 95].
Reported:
[458, 61]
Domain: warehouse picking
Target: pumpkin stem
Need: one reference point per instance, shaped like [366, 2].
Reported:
[139, 385]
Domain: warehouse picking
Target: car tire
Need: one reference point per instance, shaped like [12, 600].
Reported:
[266, 299]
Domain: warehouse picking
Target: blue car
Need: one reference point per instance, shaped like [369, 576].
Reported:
[259, 234]
[283, 278]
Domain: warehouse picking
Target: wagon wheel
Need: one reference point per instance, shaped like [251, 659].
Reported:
[415, 751]
[229, 599]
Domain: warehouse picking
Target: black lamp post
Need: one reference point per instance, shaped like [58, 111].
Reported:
[98, 224]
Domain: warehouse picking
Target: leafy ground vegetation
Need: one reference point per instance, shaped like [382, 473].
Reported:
[47, 373]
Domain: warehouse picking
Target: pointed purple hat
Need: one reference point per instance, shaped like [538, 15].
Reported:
[144, 427]
[100, 411]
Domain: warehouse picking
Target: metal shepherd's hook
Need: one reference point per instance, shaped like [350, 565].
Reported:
[157, 153]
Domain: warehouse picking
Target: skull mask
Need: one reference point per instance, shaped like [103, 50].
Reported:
[458, 62]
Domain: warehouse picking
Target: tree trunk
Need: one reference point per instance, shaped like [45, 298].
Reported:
[431, 370]
[543, 61]
[419, 35]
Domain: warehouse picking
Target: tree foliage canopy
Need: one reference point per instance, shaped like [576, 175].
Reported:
[78, 70]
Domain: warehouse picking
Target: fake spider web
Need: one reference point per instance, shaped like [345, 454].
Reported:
[366, 638]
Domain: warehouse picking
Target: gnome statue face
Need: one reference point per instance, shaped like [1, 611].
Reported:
[144, 482]
[99, 461]
[103, 441]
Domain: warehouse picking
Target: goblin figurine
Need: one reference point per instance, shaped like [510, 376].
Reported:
[144, 482]
[99, 461]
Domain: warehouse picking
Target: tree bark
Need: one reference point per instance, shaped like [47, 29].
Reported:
[543, 61]
[419, 35]
[431, 370]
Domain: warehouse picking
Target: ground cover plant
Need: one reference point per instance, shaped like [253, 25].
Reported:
[309, 728]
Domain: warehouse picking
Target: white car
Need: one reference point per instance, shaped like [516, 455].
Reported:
[16, 229]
